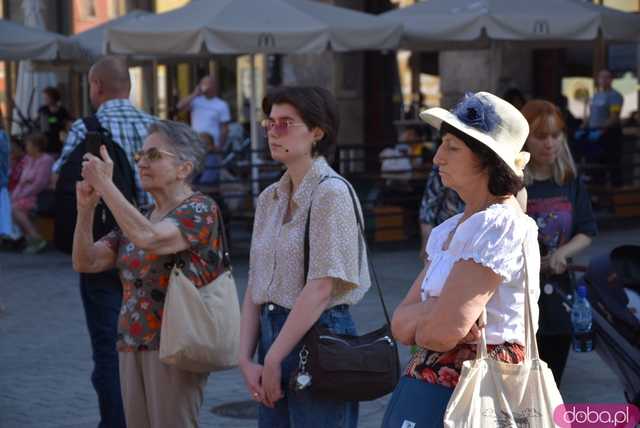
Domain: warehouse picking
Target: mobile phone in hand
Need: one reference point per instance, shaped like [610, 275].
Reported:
[92, 143]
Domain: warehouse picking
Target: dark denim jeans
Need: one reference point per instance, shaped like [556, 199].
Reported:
[299, 409]
[102, 298]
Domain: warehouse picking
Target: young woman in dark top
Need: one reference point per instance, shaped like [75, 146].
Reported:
[561, 206]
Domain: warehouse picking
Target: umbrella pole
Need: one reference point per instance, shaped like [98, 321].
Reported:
[599, 57]
[255, 185]
[154, 83]
[84, 79]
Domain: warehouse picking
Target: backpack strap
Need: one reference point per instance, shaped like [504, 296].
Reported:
[92, 123]
[116, 152]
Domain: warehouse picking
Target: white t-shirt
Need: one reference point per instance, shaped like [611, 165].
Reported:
[208, 114]
[493, 238]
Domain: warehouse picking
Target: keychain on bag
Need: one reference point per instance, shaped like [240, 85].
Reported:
[301, 378]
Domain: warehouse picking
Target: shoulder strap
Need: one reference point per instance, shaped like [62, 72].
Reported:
[222, 232]
[92, 123]
[530, 342]
[364, 240]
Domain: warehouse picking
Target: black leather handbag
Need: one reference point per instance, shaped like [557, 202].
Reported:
[345, 367]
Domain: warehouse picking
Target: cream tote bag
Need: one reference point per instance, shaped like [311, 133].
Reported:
[491, 393]
[200, 329]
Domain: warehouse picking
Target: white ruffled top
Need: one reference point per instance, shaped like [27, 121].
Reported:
[493, 238]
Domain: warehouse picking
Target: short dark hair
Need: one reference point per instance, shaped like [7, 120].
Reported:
[37, 139]
[317, 108]
[52, 93]
[502, 180]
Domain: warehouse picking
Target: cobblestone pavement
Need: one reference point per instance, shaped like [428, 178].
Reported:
[45, 358]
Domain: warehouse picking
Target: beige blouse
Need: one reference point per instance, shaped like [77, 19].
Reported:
[276, 266]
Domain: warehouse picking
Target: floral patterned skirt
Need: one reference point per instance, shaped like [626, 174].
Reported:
[443, 368]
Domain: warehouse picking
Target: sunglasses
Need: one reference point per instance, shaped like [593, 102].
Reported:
[279, 126]
[152, 154]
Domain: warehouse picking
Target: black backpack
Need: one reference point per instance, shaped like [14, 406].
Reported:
[70, 173]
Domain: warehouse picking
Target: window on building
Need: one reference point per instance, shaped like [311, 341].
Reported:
[86, 9]
[625, 5]
[116, 8]
[167, 5]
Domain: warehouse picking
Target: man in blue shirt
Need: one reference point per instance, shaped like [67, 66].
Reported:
[606, 104]
[602, 143]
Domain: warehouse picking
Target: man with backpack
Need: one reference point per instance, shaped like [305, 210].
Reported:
[121, 127]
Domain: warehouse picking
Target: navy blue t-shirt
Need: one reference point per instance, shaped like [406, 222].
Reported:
[561, 212]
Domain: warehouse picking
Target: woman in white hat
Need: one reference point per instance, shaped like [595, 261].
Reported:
[475, 259]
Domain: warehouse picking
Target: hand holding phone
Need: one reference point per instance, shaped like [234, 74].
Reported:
[92, 143]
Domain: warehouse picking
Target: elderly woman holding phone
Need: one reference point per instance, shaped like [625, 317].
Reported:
[180, 228]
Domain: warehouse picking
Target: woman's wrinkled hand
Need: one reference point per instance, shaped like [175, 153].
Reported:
[97, 171]
[86, 196]
[252, 375]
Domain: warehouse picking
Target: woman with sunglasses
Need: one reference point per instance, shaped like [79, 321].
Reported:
[180, 228]
[283, 300]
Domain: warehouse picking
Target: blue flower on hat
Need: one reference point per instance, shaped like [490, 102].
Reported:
[477, 112]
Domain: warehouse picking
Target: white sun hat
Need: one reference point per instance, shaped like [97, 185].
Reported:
[490, 120]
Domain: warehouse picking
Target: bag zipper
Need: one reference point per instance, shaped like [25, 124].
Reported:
[335, 339]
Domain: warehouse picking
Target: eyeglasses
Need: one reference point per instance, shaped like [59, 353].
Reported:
[152, 154]
[279, 126]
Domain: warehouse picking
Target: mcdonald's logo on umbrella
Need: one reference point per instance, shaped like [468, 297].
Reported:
[541, 26]
[266, 40]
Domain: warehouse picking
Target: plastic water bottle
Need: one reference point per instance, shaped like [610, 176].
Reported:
[581, 320]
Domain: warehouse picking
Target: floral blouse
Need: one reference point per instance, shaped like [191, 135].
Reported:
[145, 275]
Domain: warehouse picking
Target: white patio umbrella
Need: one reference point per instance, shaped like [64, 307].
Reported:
[18, 42]
[250, 27]
[253, 26]
[30, 83]
[449, 23]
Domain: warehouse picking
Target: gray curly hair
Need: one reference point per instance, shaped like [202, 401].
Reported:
[184, 142]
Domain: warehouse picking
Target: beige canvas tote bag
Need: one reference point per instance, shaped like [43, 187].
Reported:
[492, 393]
[200, 329]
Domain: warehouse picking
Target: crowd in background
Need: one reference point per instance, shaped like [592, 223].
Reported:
[28, 161]
[596, 140]
[25, 173]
